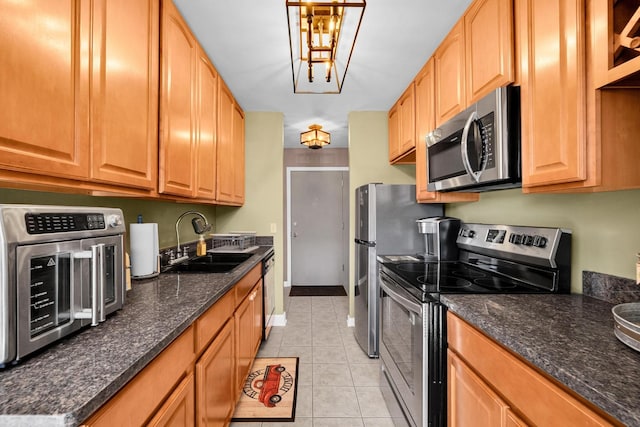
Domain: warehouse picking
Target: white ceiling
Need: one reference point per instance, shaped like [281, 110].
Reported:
[248, 43]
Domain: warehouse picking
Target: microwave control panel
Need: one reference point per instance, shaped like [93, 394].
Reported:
[41, 223]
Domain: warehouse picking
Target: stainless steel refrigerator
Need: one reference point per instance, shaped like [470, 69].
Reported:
[385, 225]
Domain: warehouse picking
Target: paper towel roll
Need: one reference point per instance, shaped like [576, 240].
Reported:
[143, 244]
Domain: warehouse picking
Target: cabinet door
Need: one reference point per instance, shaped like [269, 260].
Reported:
[488, 30]
[225, 153]
[177, 105]
[407, 120]
[257, 318]
[244, 338]
[44, 87]
[124, 85]
[394, 133]
[238, 155]
[216, 388]
[207, 128]
[471, 402]
[554, 135]
[425, 123]
[449, 73]
[179, 409]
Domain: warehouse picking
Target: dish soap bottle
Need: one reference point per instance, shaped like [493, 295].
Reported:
[201, 248]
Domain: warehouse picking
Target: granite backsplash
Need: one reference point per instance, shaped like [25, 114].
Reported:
[612, 289]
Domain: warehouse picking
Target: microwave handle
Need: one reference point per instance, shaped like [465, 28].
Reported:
[465, 154]
[96, 313]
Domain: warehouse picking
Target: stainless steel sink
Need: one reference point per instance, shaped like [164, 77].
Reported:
[210, 263]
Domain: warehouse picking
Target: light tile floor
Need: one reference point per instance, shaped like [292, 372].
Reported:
[338, 385]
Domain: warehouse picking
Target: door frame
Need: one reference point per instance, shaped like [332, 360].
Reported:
[289, 170]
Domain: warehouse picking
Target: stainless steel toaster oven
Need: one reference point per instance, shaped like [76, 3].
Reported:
[61, 268]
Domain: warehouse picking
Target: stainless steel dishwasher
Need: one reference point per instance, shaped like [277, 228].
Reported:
[269, 297]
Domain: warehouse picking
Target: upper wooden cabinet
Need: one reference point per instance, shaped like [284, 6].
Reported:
[615, 37]
[475, 57]
[574, 137]
[402, 142]
[425, 123]
[124, 111]
[207, 128]
[178, 111]
[230, 152]
[72, 107]
[489, 47]
[44, 87]
[449, 73]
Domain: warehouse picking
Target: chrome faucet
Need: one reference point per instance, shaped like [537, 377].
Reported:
[200, 226]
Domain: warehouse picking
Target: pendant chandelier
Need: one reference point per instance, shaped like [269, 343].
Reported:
[315, 138]
[321, 38]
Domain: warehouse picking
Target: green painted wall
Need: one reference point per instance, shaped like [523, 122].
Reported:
[164, 213]
[264, 138]
[369, 162]
[605, 226]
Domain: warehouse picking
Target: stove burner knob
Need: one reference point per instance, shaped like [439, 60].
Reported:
[471, 234]
[516, 239]
[539, 241]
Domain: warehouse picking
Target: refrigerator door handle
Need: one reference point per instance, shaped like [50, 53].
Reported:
[365, 243]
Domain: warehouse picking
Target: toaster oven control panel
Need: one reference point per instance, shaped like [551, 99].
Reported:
[42, 223]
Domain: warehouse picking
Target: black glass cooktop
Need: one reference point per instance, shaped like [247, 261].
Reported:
[455, 277]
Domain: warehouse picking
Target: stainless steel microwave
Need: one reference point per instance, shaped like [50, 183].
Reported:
[61, 269]
[479, 148]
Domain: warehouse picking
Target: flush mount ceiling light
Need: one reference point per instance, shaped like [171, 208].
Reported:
[321, 38]
[315, 138]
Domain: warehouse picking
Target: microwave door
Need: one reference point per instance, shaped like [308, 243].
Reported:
[474, 147]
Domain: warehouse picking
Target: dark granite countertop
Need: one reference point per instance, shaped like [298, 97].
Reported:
[64, 384]
[570, 337]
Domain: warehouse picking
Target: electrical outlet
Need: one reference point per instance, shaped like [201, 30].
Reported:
[273, 227]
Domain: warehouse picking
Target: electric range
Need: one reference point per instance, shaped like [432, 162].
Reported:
[492, 259]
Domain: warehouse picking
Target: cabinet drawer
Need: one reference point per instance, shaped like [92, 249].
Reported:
[533, 395]
[138, 400]
[208, 325]
[244, 286]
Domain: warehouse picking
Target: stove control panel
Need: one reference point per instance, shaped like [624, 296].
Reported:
[538, 245]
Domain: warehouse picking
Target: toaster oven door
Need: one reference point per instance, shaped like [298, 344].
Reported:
[46, 294]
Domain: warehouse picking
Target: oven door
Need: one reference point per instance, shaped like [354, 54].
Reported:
[402, 342]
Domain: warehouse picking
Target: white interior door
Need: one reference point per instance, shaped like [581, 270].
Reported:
[317, 228]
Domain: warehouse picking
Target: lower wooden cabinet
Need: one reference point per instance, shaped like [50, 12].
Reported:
[471, 401]
[179, 409]
[248, 320]
[138, 401]
[215, 379]
[198, 379]
[490, 386]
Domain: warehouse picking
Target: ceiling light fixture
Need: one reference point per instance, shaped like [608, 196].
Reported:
[315, 138]
[321, 38]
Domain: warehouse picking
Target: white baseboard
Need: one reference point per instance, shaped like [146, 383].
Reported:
[279, 319]
[351, 321]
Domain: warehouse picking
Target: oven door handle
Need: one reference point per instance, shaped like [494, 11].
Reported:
[395, 293]
[471, 121]
[96, 313]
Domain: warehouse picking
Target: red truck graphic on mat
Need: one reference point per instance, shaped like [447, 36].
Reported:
[269, 385]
